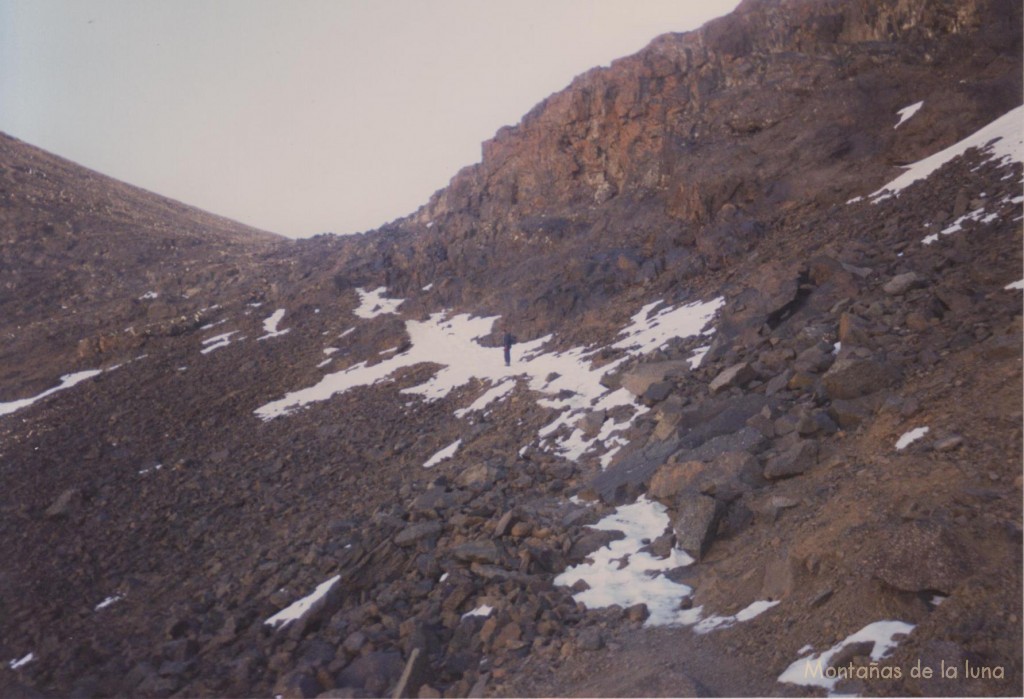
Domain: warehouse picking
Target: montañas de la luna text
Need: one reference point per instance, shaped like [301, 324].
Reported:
[875, 671]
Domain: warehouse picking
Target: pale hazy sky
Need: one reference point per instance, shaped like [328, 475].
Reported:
[301, 117]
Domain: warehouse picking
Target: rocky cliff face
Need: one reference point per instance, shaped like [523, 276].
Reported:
[235, 465]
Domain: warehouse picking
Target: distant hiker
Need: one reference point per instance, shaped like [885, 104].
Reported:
[508, 347]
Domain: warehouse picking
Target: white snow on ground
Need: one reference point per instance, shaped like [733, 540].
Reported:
[271, 323]
[621, 574]
[491, 395]
[108, 601]
[15, 664]
[214, 325]
[217, 341]
[698, 356]
[1003, 140]
[909, 437]
[957, 225]
[482, 610]
[813, 670]
[373, 303]
[446, 453]
[567, 379]
[148, 470]
[649, 333]
[1015, 285]
[296, 610]
[66, 381]
[149, 295]
[908, 112]
[723, 622]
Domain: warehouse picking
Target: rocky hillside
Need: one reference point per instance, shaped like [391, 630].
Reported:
[760, 434]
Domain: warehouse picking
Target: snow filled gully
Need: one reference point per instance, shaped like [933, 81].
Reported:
[566, 381]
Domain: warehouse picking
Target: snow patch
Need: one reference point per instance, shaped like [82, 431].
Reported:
[483, 610]
[217, 341]
[298, 609]
[373, 303]
[66, 381]
[108, 601]
[271, 323]
[810, 671]
[908, 112]
[1015, 285]
[213, 325]
[15, 664]
[907, 438]
[148, 296]
[622, 574]
[723, 622]
[1002, 140]
[446, 453]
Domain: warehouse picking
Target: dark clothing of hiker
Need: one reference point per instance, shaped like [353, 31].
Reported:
[508, 348]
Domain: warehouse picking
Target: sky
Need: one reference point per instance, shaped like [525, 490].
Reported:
[301, 117]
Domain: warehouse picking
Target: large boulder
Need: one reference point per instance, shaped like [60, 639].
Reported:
[798, 459]
[737, 375]
[853, 377]
[640, 378]
[696, 522]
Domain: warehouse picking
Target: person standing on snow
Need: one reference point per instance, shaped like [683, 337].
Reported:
[508, 347]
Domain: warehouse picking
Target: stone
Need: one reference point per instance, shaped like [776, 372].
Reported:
[590, 639]
[300, 684]
[658, 392]
[736, 375]
[850, 651]
[853, 331]
[667, 424]
[438, 498]
[849, 414]
[797, 459]
[673, 478]
[746, 439]
[591, 540]
[643, 376]
[417, 532]
[637, 612]
[902, 283]
[509, 637]
[778, 383]
[855, 377]
[949, 443]
[814, 360]
[482, 551]
[590, 423]
[802, 381]
[375, 672]
[66, 503]
[696, 522]
[479, 474]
